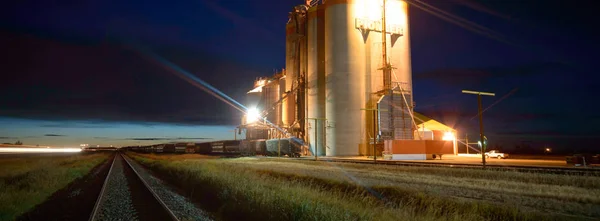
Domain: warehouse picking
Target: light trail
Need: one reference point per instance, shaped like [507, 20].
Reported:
[192, 79]
[199, 83]
[38, 150]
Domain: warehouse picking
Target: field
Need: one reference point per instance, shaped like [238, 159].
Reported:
[284, 189]
[26, 181]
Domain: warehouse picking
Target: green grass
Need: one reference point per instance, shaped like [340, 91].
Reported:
[28, 181]
[283, 189]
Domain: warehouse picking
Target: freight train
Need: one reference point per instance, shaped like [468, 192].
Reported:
[290, 147]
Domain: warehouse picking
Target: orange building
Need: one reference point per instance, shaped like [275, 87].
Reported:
[432, 140]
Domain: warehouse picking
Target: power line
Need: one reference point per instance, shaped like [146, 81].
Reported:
[474, 27]
[457, 17]
[459, 21]
[498, 101]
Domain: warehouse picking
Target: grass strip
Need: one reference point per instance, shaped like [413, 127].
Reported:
[29, 181]
[234, 192]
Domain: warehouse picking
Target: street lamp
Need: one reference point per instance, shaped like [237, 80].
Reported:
[252, 115]
[481, 135]
[448, 136]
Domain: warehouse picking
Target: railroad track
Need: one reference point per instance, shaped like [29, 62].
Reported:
[533, 169]
[125, 195]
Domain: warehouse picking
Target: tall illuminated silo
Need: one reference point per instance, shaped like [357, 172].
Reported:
[345, 76]
[316, 79]
[353, 63]
[337, 49]
[296, 71]
[271, 95]
[399, 57]
[288, 104]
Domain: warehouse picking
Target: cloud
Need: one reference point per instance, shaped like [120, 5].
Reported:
[166, 138]
[192, 138]
[71, 125]
[54, 135]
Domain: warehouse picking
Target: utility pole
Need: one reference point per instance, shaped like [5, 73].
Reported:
[481, 132]
[467, 142]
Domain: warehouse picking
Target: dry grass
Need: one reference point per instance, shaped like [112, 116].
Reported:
[26, 182]
[548, 193]
[299, 190]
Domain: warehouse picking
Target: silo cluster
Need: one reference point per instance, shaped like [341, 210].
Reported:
[332, 93]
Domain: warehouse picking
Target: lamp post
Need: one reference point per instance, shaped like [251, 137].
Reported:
[481, 135]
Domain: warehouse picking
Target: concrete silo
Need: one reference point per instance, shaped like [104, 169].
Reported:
[294, 114]
[345, 77]
[355, 64]
[337, 48]
[316, 79]
[290, 72]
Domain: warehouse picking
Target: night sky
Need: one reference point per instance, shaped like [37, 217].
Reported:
[69, 75]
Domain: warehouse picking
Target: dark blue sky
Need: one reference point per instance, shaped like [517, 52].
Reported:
[66, 61]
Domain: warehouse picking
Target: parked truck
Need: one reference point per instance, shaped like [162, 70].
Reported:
[496, 154]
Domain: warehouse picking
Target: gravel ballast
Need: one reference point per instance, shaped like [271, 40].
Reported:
[116, 204]
[182, 207]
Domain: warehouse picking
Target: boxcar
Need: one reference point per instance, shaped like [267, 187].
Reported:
[283, 147]
[180, 147]
[203, 148]
[169, 148]
[231, 146]
[247, 148]
[217, 147]
[159, 148]
[260, 147]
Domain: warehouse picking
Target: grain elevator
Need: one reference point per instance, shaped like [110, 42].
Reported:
[347, 82]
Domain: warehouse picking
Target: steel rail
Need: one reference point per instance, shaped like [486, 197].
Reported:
[162, 203]
[97, 205]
